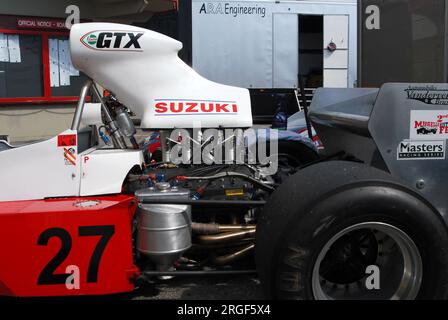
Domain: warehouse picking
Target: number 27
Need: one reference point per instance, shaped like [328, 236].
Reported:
[47, 276]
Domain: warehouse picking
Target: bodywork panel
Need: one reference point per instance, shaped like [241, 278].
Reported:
[391, 124]
[147, 75]
[41, 240]
[401, 128]
[48, 168]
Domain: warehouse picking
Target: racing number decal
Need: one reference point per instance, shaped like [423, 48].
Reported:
[106, 232]
[48, 277]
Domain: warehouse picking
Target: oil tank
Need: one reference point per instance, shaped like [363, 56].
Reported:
[164, 230]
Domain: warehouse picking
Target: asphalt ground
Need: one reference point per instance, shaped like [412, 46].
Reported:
[235, 287]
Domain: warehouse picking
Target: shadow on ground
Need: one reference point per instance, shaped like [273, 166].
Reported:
[213, 288]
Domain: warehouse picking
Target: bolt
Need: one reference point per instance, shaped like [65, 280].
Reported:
[420, 184]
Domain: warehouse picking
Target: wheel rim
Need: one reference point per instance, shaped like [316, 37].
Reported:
[340, 268]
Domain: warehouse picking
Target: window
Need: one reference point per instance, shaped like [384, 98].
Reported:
[21, 67]
[35, 67]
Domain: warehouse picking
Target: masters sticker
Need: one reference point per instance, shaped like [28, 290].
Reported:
[421, 150]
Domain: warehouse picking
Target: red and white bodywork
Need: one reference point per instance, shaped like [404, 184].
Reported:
[65, 227]
[53, 168]
[143, 70]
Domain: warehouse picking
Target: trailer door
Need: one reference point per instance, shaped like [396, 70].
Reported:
[285, 48]
[336, 62]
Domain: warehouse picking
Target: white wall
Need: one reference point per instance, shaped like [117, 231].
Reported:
[240, 49]
[27, 123]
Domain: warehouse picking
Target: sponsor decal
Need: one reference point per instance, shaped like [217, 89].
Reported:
[428, 94]
[233, 10]
[92, 39]
[67, 140]
[421, 150]
[172, 107]
[428, 124]
[112, 40]
[70, 156]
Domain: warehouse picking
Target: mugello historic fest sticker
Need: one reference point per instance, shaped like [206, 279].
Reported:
[429, 124]
[427, 137]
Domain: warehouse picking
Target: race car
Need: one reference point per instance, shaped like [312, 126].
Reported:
[77, 211]
[84, 213]
[425, 130]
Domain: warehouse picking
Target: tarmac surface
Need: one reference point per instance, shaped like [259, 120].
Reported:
[235, 287]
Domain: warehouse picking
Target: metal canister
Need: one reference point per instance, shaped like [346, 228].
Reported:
[164, 230]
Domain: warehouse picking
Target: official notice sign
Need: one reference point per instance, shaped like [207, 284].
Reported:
[33, 23]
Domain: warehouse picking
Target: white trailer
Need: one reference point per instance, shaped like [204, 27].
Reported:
[260, 44]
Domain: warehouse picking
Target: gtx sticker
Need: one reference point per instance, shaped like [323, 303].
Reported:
[112, 40]
[166, 107]
[421, 150]
[428, 124]
[428, 94]
[70, 157]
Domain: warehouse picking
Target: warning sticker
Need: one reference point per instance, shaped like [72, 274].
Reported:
[70, 156]
[67, 140]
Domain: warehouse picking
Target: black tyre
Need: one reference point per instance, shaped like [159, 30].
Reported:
[325, 226]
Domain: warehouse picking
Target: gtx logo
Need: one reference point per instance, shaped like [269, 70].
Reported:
[112, 40]
[189, 107]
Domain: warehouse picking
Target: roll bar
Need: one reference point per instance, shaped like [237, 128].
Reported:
[80, 108]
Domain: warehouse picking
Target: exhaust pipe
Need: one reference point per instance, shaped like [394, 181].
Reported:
[231, 257]
[226, 237]
[214, 228]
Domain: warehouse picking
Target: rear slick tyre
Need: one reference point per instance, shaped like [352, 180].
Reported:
[359, 235]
